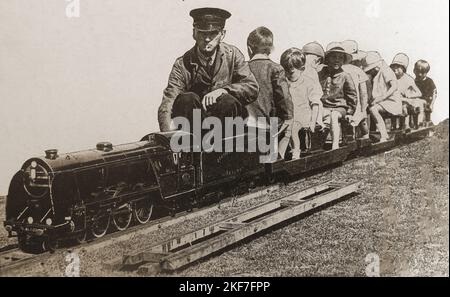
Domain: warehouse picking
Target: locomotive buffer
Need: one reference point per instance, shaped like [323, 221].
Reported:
[180, 251]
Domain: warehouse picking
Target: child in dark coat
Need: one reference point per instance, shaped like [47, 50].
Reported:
[426, 86]
[340, 97]
[273, 99]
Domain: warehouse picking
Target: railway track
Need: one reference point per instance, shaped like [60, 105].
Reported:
[14, 258]
[8, 248]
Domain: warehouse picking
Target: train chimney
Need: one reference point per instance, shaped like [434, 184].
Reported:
[51, 154]
[105, 146]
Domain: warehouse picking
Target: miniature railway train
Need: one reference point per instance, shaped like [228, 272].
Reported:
[75, 195]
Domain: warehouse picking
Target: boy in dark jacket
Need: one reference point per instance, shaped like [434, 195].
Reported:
[273, 99]
[340, 97]
[426, 86]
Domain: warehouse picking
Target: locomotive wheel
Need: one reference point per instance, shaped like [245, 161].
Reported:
[122, 217]
[31, 245]
[49, 245]
[142, 211]
[26, 246]
[100, 225]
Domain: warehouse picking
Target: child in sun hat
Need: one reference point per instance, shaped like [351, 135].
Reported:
[314, 57]
[306, 93]
[426, 86]
[358, 56]
[340, 97]
[360, 79]
[409, 92]
[385, 95]
[314, 54]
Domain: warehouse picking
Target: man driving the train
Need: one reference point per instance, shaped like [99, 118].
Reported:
[212, 76]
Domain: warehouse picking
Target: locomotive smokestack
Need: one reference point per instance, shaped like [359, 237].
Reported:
[51, 154]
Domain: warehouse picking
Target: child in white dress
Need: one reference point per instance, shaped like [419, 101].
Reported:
[306, 93]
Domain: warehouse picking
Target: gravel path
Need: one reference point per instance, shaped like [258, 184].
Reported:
[400, 218]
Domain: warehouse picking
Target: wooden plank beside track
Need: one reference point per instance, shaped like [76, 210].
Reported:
[290, 207]
[190, 237]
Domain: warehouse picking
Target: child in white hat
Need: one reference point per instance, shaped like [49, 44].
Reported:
[409, 92]
[314, 54]
[360, 79]
[385, 95]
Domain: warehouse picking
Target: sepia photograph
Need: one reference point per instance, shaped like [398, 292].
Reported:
[217, 139]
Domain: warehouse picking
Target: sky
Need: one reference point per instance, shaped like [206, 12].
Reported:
[71, 82]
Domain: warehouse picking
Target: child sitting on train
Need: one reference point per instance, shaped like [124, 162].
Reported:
[339, 98]
[360, 79]
[306, 93]
[385, 95]
[426, 86]
[273, 98]
[413, 107]
[314, 56]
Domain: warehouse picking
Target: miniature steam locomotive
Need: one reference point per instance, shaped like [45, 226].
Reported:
[83, 193]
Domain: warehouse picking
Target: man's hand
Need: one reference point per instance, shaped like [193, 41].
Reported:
[211, 98]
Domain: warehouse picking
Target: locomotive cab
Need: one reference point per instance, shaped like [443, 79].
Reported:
[176, 171]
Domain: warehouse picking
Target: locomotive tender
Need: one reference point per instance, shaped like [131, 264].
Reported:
[86, 193]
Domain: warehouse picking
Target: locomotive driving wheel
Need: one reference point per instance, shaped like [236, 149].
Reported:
[142, 211]
[100, 225]
[31, 245]
[49, 245]
[122, 217]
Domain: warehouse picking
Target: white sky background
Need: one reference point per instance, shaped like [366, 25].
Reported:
[68, 83]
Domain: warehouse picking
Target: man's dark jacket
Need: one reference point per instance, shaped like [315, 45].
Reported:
[231, 72]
